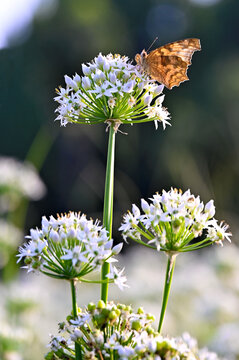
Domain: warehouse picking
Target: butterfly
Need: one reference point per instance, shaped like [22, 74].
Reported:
[168, 64]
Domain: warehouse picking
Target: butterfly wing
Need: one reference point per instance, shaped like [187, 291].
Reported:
[168, 64]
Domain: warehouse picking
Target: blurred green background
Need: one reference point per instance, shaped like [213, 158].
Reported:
[200, 151]
[42, 40]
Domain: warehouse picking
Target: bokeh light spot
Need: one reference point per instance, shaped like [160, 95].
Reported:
[205, 2]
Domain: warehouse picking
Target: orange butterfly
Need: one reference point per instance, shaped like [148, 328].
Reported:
[168, 64]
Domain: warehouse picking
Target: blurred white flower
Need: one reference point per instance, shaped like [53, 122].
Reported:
[18, 180]
[10, 238]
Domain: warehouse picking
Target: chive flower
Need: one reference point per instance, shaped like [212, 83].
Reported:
[174, 222]
[114, 331]
[70, 247]
[113, 91]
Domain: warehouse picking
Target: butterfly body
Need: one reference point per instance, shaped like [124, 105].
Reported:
[168, 64]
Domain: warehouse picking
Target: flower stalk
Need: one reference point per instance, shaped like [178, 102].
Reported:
[167, 286]
[108, 205]
[74, 312]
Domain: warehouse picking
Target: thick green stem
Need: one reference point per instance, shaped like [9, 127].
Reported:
[75, 312]
[108, 205]
[167, 285]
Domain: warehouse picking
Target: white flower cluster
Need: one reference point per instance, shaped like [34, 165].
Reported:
[106, 329]
[10, 238]
[69, 246]
[172, 220]
[18, 180]
[112, 90]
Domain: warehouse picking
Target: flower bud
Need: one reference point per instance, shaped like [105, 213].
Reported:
[210, 209]
[86, 69]
[99, 75]
[159, 100]
[112, 77]
[71, 83]
[77, 79]
[100, 60]
[140, 311]
[91, 306]
[54, 236]
[136, 325]
[147, 99]
[113, 315]
[45, 225]
[145, 206]
[135, 210]
[86, 83]
[106, 66]
[101, 304]
[117, 249]
[158, 90]
[71, 233]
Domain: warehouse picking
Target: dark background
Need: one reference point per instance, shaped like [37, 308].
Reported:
[201, 149]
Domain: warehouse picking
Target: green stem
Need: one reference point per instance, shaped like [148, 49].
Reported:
[167, 285]
[75, 312]
[108, 205]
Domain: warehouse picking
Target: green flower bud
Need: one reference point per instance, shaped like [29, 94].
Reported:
[150, 317]
[118, 312]
[91, 306]
[140, 311]
[136, 325]
[105, 312]
[112, 315]
[62, 325]
[101, 304]
[100, 319]
[36, 264]
[27, 260]
[149, 330]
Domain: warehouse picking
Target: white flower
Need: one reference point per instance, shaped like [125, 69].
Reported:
[218, 233]
[111, 102]
[172, 220]
[73, 246]
[75, 255]
[32, 249]
[56, 341]
[18, 180]
[118, 278]
[111, 89]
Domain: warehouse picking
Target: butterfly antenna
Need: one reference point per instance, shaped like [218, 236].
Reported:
[152, 43]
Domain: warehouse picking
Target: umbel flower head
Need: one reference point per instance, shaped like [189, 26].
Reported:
[69, 247]
[174, 222]
[114, 331]
[112, 90]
